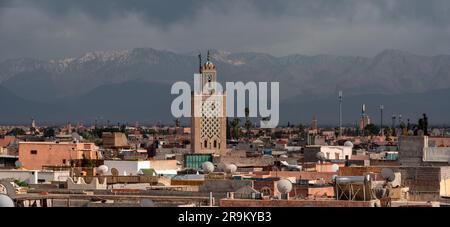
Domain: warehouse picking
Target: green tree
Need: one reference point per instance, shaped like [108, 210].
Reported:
[49, 132]
[228, 129]
[16, 132]
[177, 122]
[235, 128]
[371, 129]
[301, 131]
[248, 123]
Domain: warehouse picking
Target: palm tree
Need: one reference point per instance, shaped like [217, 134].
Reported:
[235, 127]
[177, 122]
[248, 124]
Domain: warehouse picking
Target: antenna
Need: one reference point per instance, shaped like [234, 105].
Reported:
[381, 119]
[393, 121]
[200, 62]
[340, 113]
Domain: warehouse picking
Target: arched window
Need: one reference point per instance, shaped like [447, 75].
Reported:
[206, 144]
[215, 144]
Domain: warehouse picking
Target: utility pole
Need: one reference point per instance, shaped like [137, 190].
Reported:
[381, 119]
[340, 113]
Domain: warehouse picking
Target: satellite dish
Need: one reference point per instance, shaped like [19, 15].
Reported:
[102, 170]
[221, 166]
[147, 203]
[18, 164]
[6, 201]
[348, 144]
[334, 167]
[208, 167]
[77, 172]
[114, 172]
[231, 168]
[388, 174]
[284, 186]
[320, 155]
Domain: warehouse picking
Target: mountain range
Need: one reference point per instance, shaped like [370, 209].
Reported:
[134, 85]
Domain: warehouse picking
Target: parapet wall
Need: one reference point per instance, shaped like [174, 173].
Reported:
[294, 203]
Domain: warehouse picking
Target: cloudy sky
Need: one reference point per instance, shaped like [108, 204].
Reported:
[55, 28]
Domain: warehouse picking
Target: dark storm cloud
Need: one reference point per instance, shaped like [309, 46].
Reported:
[153, 11]
[55, 28]
[170, 11]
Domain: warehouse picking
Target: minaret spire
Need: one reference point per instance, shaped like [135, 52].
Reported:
[208, 57]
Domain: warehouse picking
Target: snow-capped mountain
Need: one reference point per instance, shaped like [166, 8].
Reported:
[302, 78]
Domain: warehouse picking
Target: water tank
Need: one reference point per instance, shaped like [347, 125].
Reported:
[351, 179]
[208, 167]
[5, 201]
[231, 168]
[103, 169]
[284, 186]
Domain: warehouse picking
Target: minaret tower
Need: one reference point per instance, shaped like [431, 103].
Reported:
[208, 122]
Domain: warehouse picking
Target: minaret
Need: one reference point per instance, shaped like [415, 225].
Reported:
[314, 123]
[33, 123]
[208, 110]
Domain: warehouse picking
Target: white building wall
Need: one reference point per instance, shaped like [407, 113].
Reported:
[331, 151]
[49, 176]
[29, 176]
[126, 167]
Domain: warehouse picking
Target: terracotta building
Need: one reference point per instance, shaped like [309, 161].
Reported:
[115, 140]
[35, 155]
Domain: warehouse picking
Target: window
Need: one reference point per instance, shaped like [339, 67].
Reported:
[64, 161]
[206, 144]
[215, 144]
[33, 152]
[336, 155]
